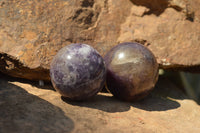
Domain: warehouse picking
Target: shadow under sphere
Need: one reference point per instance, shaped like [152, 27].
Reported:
[156, 101]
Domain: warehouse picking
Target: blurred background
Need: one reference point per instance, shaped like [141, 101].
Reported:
[188, 82]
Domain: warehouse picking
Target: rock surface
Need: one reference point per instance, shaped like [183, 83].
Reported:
[31, 32]
[25, 107]
[171, 29]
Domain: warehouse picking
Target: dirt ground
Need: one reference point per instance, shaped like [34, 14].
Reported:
[26, 107]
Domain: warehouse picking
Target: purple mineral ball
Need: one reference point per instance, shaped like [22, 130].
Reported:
[132, 71]
[78, 72]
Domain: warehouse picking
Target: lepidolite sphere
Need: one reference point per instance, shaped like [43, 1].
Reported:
[132, 71]
[78, 71]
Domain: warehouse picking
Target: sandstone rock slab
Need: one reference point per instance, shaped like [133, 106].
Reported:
[171, 31]
[31, 32]
[25, 107]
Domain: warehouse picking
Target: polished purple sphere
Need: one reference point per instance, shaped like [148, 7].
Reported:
[132, 71]
[78, 72]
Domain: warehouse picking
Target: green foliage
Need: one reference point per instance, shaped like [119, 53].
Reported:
[188, 82]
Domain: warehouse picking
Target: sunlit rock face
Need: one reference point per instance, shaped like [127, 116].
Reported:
[78, 72]
[132, 71]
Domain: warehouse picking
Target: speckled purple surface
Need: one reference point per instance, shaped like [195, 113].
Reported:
[78, 72]
[132, 71]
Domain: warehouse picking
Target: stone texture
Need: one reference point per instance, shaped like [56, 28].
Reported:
[171, 32]
[31, 32]
[24, 112]
[78, 72]
[25, 107]
[132, 71]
